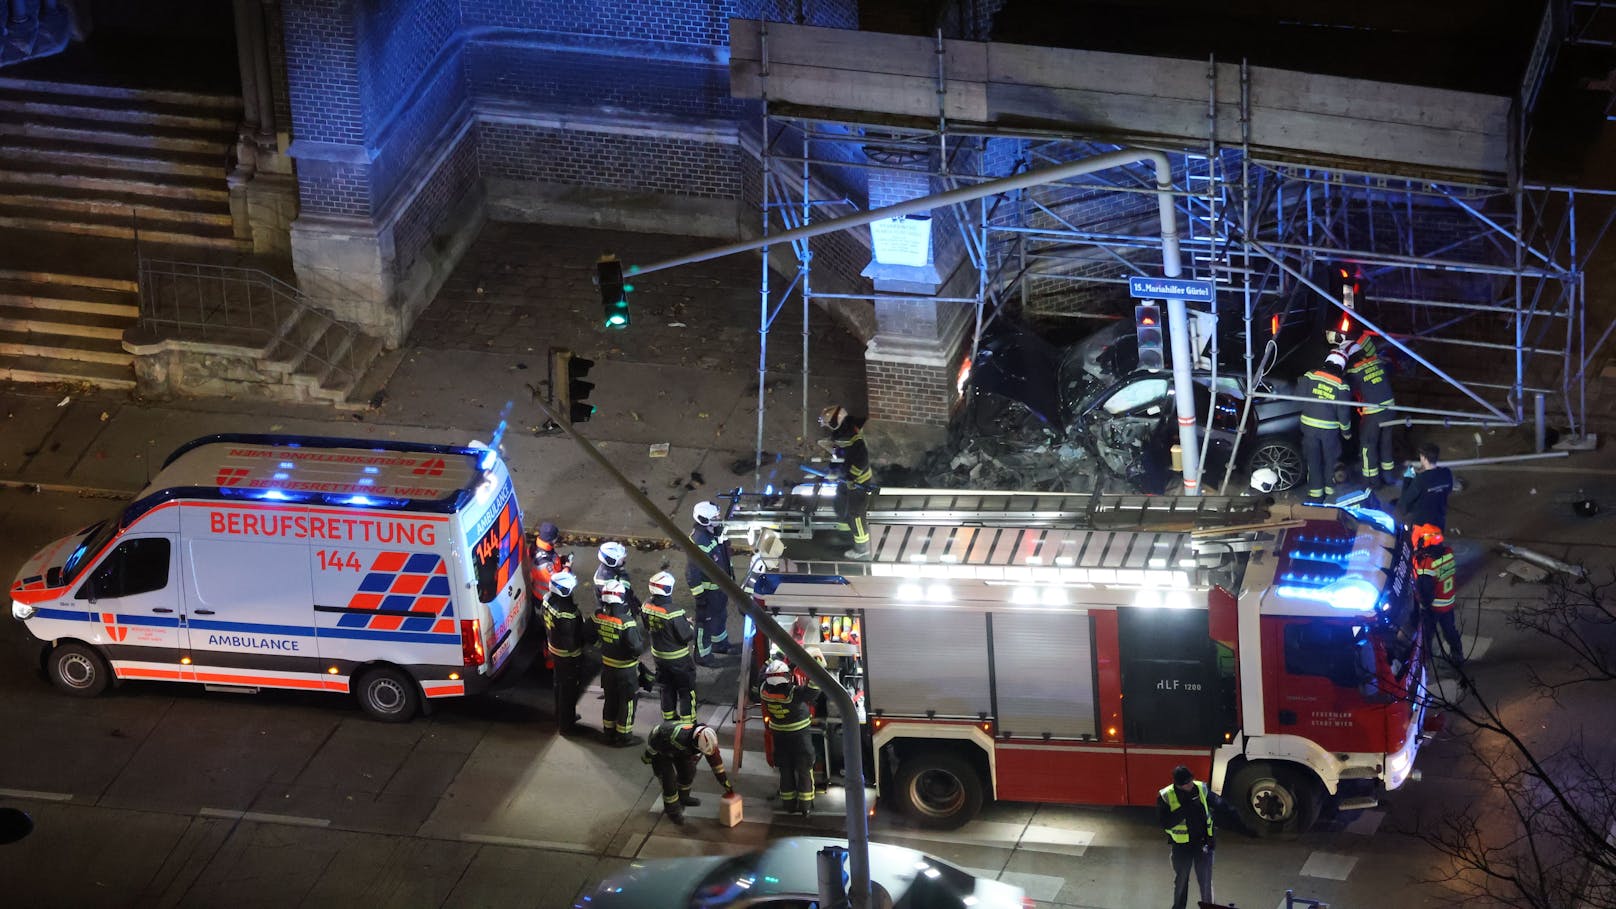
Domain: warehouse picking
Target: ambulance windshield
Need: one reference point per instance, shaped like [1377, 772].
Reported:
[96, 537]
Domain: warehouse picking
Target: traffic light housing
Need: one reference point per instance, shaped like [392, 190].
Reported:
[567, 384]
[1147, 321]
[613, 292]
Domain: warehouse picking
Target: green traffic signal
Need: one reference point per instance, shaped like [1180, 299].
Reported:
[613, 292]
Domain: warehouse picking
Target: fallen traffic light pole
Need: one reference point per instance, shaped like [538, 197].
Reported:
[858, 818]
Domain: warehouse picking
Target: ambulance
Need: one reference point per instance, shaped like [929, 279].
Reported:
[391, 571]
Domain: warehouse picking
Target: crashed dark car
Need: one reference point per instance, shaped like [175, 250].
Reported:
[1094, 396]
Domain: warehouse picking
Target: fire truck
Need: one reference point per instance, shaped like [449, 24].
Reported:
[1075, 648]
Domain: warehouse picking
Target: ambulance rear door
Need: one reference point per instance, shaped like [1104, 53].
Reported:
[491, 531]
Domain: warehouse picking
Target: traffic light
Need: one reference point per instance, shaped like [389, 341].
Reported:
[1350, 289]
[1148, 325]
[568, 386]
[613, 292]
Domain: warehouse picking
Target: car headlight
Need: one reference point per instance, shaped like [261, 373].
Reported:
[22, 612]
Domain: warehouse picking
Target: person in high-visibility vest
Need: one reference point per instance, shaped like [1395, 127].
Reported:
[1323, 425]
[787, 713]
[1366, 373]
[712, 603]
[566, 633]
[1435, 580]
[621, 643]
[671, 636]
[1184, 811]
[671, 749]
[850, 468]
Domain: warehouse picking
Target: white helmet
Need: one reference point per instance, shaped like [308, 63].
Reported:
[706, 740]
[662, 584]
[706, 514]
[833, 416]
[614, 591]
[1264, 479]
[563, 582]
[1336, 359]
[776, 670]
[613, 554]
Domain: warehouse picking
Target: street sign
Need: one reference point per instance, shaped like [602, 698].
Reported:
[1175, 288]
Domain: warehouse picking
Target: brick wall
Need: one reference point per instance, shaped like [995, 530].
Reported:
[419, 222]
[579, 157]
[322, 70]
[906, 393]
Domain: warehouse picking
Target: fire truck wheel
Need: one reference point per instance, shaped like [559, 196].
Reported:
[78, 670]
[388, 695]
[940, 791]
[1274, 800]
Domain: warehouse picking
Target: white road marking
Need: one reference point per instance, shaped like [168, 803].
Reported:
[1366, 823]
[636, 844]
[491, 840]
[657, 846]
[1058, 840]
[756, 763]
[263, 817]
[1478, 648]
[1330, 865]
[36, 795]
[714, 715]
[1042, 887]
[981, 833]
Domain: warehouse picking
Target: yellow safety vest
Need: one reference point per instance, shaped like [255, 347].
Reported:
[1181, 833]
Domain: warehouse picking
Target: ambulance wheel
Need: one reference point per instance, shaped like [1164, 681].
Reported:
[940, 791]
[388, 695]
[1273, 800]
[78, 670]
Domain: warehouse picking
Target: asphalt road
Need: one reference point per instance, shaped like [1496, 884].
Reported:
[163, 795]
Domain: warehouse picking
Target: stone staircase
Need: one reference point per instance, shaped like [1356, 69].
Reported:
[91, 176]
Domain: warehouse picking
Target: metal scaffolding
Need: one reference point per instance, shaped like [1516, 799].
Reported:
[1478, 287]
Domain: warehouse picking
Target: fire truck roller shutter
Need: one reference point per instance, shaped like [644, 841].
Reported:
[924, 658]
[1043, 668]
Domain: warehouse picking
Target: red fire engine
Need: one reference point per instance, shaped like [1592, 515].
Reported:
[1072, 648]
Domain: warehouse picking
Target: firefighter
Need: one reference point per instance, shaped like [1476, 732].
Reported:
[850, 467]
[1435, 578]
[787, 714]
[621, 643]
[1425, 496]
[547, 561]
[712, 604]
[614, 567]
[1322, 425]
[566, 634]
[671, 750]
[1366, 374]
[671, 634]
[1184, 810]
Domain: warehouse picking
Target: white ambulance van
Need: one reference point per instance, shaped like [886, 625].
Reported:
[389, 570]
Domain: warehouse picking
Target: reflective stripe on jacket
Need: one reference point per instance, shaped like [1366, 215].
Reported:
[1367, 376]
[670, 629]
[563, 626]
[785, 706]
[1435, 573]
[1322, 388]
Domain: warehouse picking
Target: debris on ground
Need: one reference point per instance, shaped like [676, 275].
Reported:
[1547, 562]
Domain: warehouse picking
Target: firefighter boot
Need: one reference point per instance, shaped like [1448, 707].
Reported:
[858, 553]
[676, 814]
[688, 800]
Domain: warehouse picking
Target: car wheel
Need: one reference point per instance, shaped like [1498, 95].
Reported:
[79, 670]
[939, 791]
[1275, 801]
[388, 695]
[1284, 458]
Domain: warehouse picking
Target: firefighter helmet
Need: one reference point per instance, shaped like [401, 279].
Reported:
[1427, 535]
[706, 514]
[662, 584]
[776, 671]
[706, 739]
[563, 582]
[614, 591]
[1336, 360]
[549, 533]
[1264, 479]
[613, 554]
[832, 416]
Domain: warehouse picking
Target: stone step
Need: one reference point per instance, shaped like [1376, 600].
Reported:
[28, 105]
[64, 347]
[121, 205]
[328, 364]
[16, 368]
[49, 154]
[119, 93]
[79, 324]
[293, 345]
[119, 285]
[68, 299]
[126, 135]
[33, 179]
[362, 353]
[46, 221]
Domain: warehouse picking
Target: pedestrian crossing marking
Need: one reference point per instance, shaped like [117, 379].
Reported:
[1330, 865]
[1058, 840]
[1043, 888]
[756, 763]
[1478, 648]
[1366, 823]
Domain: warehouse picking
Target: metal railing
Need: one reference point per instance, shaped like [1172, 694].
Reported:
[245, 307]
